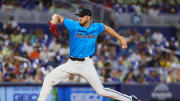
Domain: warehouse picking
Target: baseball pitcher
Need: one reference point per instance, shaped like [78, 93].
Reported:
[83, 35]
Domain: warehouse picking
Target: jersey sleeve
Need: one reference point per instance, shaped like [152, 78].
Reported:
[69, 24]
[101, 27]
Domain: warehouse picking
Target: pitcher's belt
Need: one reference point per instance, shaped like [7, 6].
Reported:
[78, 59]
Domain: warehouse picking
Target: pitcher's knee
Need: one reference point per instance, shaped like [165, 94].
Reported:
[101, 92]
[48, 80]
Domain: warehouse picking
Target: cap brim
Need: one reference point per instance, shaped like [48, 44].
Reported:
[80, 15]
[77, 14]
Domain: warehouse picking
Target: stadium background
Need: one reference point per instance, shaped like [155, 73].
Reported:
[149, 68]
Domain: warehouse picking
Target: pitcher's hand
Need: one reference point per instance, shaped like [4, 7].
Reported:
[124, 43]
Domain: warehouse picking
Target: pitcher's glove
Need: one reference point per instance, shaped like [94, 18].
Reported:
[53, 29]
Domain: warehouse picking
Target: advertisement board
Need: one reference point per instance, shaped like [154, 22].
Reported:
[28, 93]
[165, 92]
[2, 94]
[151, 92]
[83, 94]
[155, 92]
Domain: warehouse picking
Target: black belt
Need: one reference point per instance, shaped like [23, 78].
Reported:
[78, 59]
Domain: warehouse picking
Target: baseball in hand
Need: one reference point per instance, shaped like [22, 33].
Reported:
[122, 46]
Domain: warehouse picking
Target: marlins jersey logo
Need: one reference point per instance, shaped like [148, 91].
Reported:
[80, 35]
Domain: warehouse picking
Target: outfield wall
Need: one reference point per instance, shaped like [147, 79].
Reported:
[83, 92]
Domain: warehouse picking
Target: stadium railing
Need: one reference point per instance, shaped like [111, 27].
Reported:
[100, 14]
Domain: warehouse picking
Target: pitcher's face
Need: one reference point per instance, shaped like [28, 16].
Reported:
[84, 19]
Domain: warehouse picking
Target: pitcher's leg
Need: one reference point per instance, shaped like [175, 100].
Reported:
[90, 74]
[50, 80]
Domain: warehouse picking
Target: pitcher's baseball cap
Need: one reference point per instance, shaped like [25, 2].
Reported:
[84, 12]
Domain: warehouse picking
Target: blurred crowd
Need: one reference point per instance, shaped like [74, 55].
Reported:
[23, 4]
[27, 56]
[152, 7]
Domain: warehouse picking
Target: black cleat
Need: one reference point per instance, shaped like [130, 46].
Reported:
[134, 98]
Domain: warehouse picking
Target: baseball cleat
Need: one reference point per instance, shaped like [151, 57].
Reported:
[134, 98]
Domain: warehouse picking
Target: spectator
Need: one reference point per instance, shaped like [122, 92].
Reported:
[130, 77]
[53, 62]
[178, 75]
[28, 78]
[11, 22]
[141, 77]
[147, 35]
[1, 58]
[27, 47]
[107, 3]
[27, 75]
[165, 61]
[8, 74]
[55, 46]
[4, 73]
[101, 49]
[157, 37]
[174, 61]
[113, 61]
[7, 5]
[106, 72]
[121, 65]
[31, 37]
[45, 54]
[39, 36]
[104, 78]
[120, 75]
[64, 51]
[154, 62]
[65, 36]
[16, 36]
[171, 77]
[38, 77]
[137, 8]
[171, 46]
[3, 37]
[153, 11]
[17, 69]
[21, 36]
[52, 8]
[108, 69]
[151, 47]
[35, 54]
[153, 77]
[101, 62]
[13, 35]
[8, 29]
[135, 58]
[144, 57]
[7, 51]
[115, 76]
[125, 61]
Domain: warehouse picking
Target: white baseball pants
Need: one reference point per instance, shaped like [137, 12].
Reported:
[87, 70]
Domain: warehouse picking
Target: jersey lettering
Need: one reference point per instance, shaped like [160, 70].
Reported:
[80, 35]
